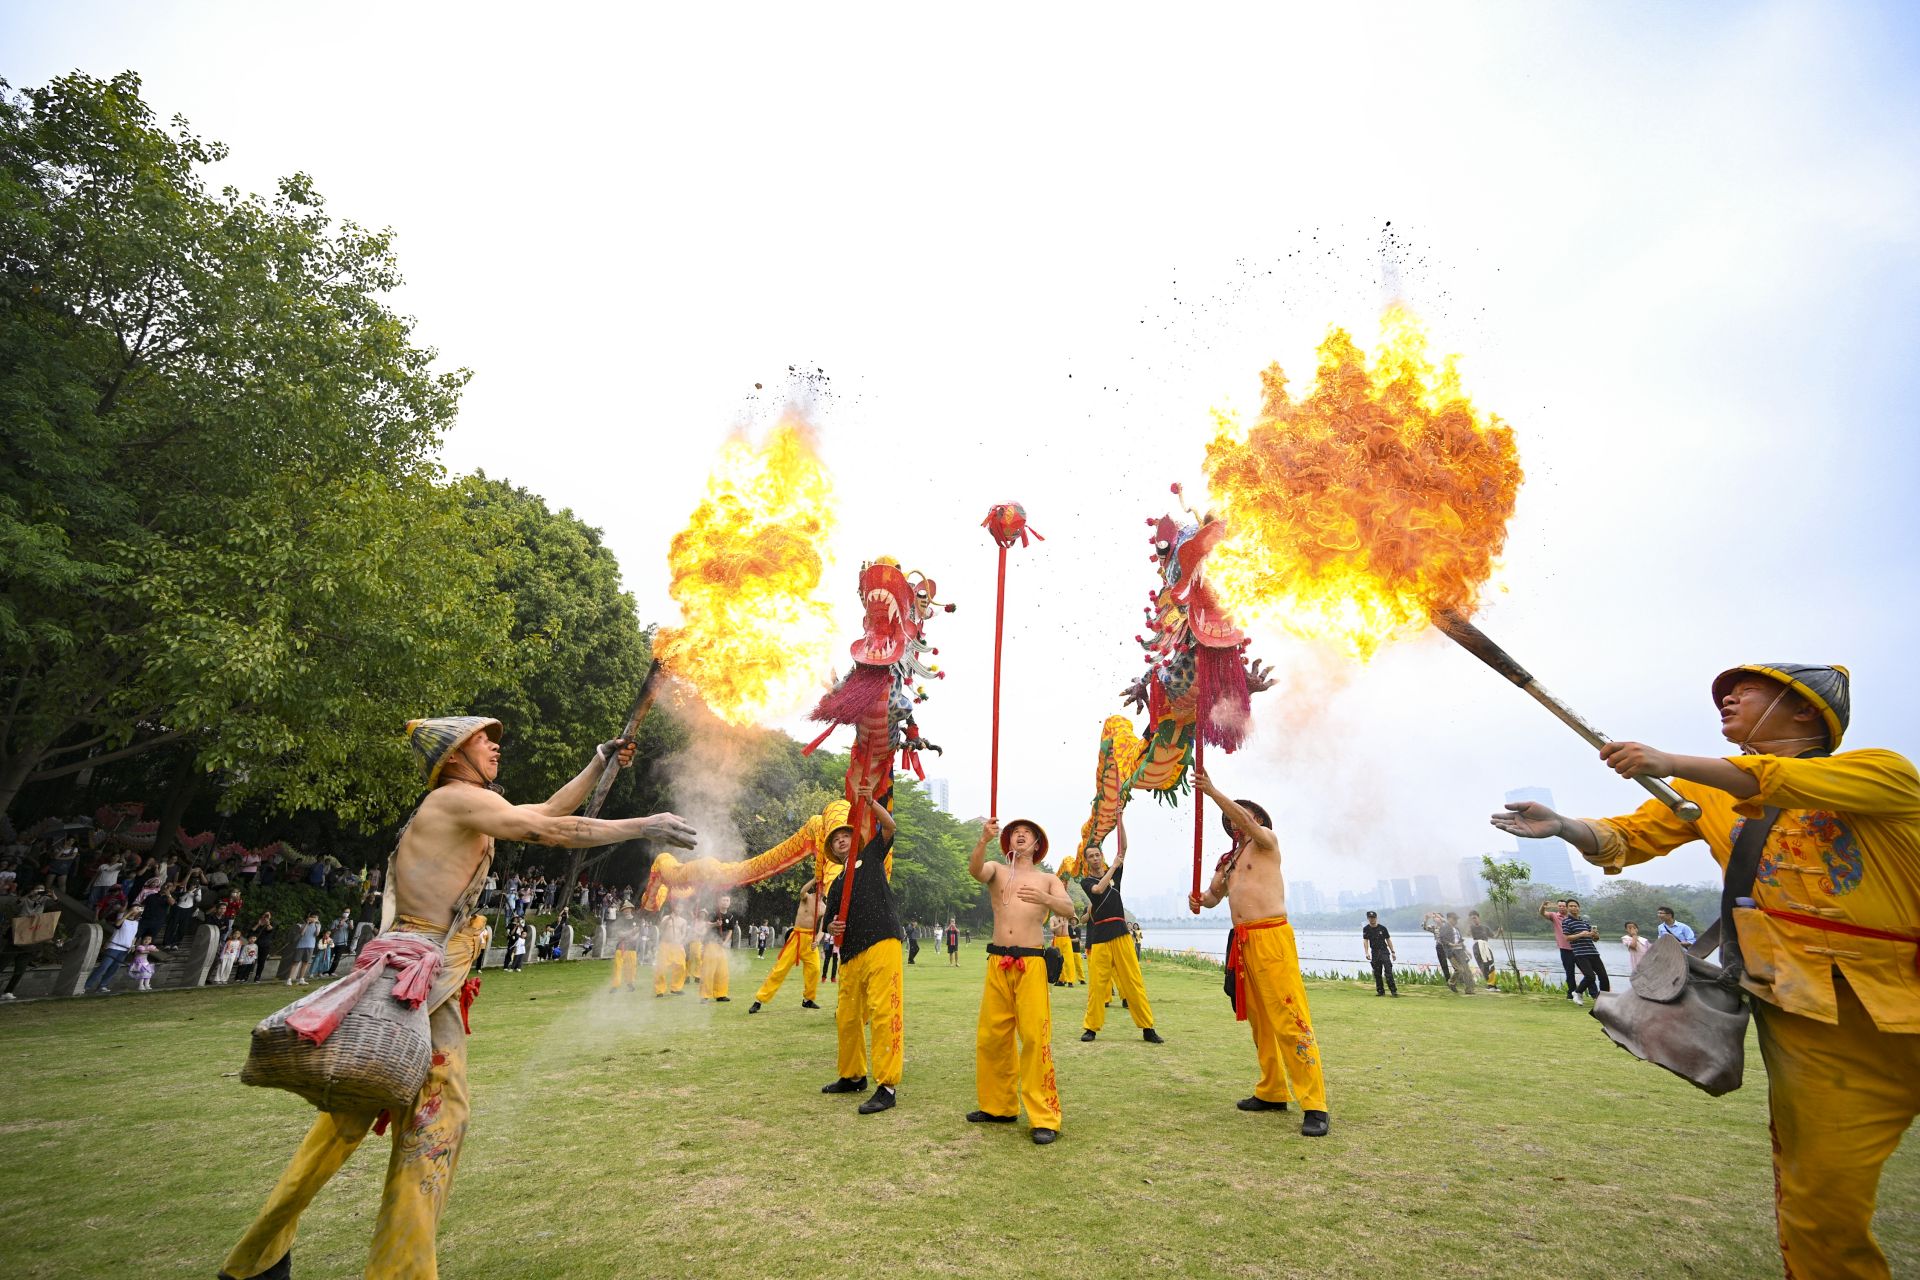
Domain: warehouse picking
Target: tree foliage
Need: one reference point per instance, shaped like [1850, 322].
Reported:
[219, 516]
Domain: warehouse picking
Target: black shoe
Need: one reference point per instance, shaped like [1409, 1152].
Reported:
[281, 1270]
[1379, 993]
[987, 1117]
[1041, 1137]
[1151, 1036]
[1394, 994]
[723, 999]
[1314, 1124]
[808, 1004]
[754, 1007]
[1086, 1036]
[882, 1100]
[845, 1084]
[1259, 1104]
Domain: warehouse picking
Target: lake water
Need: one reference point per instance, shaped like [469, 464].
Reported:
[1322, 951]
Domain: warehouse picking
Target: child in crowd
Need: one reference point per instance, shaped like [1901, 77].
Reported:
[322, 954]
[229, 956]
[249, 955]
[142, 966]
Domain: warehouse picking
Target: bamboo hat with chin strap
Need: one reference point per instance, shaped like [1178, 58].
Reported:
[1827, 689]
[434, 741]
[1039, 837]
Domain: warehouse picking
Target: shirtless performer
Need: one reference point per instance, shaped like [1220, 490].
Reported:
[797, 948]
[1265, 963]
[441, 862]
[1015, 998]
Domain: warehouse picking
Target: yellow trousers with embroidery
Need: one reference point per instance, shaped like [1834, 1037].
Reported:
[1015, 1003]
[1841, 1097]
[1276, 1005]
[426, 1149]
[1116, 965]
[799, 949]
[626, 967]
[669, 968]
[872, 994]
[716, 973]
[1069, 960]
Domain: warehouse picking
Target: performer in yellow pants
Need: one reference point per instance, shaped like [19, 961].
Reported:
[1069, 961]
[1112, 960]
[872, 986]
[715, 972]
[426, 1148]
[1114, 965]
[798, 949]
[669, 968]
[872, 995]
[1015, 1003]
[1826, 932]
[626, 950]
[1273, 1000]
[626, 968]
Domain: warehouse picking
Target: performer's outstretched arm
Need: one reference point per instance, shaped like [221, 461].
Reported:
[490, 814]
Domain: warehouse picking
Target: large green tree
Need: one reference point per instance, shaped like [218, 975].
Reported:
[220, 521]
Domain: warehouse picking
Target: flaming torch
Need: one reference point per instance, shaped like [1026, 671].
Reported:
[1372, 507]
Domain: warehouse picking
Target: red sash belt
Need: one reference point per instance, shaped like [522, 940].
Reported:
[1236, 962]
[1851, 930]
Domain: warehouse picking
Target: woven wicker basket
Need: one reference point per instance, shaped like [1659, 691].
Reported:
[376, 1059]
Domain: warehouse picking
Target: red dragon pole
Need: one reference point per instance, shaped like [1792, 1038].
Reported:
[1004, 524]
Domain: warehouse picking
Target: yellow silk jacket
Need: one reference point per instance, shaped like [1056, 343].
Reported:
[1846, 848]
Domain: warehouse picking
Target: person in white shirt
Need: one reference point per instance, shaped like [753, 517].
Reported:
[229, 954]
[121, 943]
[1635, 944]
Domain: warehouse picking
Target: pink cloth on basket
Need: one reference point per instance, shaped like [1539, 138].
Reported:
[416, 955]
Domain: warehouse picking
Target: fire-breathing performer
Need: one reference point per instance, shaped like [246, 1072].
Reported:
[1264, 962]
[1825, 939]
[435, 877]
[670, 954]
[716, 965]
[1062, 928]
[872, 986]
[798, 946]
[1112, 961]
[1015, 998]
[626, 951]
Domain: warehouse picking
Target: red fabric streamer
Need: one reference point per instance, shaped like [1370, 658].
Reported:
[1229, 707]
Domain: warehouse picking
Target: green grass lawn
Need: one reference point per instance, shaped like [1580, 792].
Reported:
[624, 1136]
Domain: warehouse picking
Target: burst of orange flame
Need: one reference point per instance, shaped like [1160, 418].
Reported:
[757, 636]
[1359, 510]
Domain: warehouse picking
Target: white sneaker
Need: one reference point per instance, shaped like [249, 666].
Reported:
[1577, 999]
[7, 995]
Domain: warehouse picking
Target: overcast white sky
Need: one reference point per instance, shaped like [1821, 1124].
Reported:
[1031, 246]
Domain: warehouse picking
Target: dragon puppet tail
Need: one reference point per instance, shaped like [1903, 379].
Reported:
[1121, 752]
[669, 873]
[851, 699]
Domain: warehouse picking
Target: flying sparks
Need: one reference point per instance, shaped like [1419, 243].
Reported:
[757, 637]
[1358, 511]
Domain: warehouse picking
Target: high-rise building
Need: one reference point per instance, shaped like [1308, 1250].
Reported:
[1549, 859]
[1382, 895]
[1304, 896]
[936, 791]
[1472, 888]
[1355, 900]
[1402, 892]
[1426, 891]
